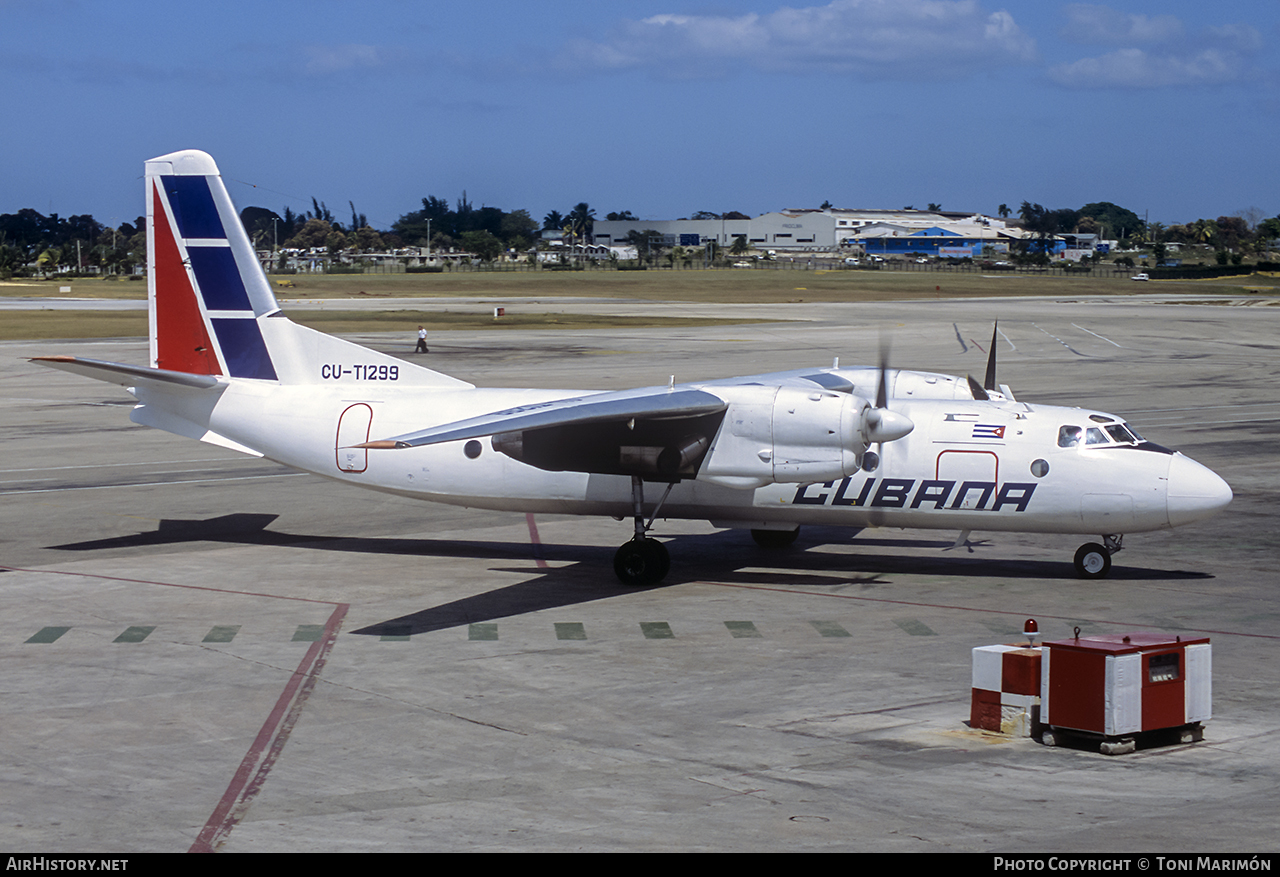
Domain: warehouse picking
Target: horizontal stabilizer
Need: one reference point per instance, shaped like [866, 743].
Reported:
[126, 375]
[644, 404]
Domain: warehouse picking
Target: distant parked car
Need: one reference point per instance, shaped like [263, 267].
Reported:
[742, 264]
[851, 261]
[1142, 276]
[921, 260]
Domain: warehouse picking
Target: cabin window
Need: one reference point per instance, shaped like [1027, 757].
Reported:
[1069, 436]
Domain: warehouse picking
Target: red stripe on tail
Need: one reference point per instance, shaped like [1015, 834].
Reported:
[182, 341]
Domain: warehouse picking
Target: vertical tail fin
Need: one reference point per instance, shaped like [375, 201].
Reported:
[204, 283]
[212, 310]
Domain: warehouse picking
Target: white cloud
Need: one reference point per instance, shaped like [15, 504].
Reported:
[1134, 68]
[1087, 23]
[1169, 58]
[873, 39]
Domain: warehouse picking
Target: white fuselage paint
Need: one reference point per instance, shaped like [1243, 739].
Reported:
[940, 476]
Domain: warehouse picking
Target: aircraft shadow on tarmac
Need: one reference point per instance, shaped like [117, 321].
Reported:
[583, 573]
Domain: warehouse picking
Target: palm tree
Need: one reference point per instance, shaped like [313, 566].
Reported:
[1004, 211]
[583, 219]
[49, 260]
[553, 220]
[1204, 230]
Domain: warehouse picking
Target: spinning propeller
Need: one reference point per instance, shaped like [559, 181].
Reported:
[878, 423]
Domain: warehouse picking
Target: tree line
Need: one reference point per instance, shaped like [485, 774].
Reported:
[53, 243]
[1233, 237]
[30, 241]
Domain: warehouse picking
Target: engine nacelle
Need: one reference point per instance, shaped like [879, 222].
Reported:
[785, 434]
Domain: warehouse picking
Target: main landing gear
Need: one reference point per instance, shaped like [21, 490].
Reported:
[642, 561]
[1093, 561]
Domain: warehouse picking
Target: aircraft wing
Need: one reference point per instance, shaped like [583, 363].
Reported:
[648, 404]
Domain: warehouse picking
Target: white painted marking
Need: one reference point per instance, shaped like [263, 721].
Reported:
[1096, 335]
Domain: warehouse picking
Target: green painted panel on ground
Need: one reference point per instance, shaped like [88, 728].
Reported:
[483, 630]
[914, 627]
[742, 629]
[1002, 627]
[135, 634]
[656, 630]
[308, 633]
[829, 628]
[396, 633]
[48, 634]
[222, 633]
[570, 630]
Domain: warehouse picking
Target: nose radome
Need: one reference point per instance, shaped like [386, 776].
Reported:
[1195, 491]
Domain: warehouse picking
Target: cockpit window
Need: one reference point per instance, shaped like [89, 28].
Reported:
[1118, 433]
[1113, 432]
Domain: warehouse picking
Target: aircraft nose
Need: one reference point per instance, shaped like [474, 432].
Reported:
[1195, 491]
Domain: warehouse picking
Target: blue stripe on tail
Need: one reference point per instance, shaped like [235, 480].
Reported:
[219, 279]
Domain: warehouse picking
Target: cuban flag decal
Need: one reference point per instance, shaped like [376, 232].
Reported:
[988, 430]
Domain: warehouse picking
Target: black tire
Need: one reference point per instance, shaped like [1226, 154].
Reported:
[1093, 561]
[641, 562]
[773, 539]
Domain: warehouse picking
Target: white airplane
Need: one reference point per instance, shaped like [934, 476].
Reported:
[767, 453]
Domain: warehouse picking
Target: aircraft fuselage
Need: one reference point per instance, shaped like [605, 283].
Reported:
[968, 465]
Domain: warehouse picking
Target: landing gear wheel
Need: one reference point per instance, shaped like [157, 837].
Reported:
[642, 562]
[1093, 561]
[775, 538]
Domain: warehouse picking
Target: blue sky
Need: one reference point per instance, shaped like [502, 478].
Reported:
[661, 108]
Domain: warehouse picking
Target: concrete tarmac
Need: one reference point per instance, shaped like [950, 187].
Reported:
[208, 651]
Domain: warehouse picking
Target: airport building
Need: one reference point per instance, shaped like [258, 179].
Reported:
[880, 232]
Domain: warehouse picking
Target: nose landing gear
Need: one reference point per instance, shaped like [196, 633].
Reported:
[1093, 561]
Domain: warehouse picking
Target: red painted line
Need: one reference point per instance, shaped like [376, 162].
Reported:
[267, 746]
[536, 540]
[270, 741]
